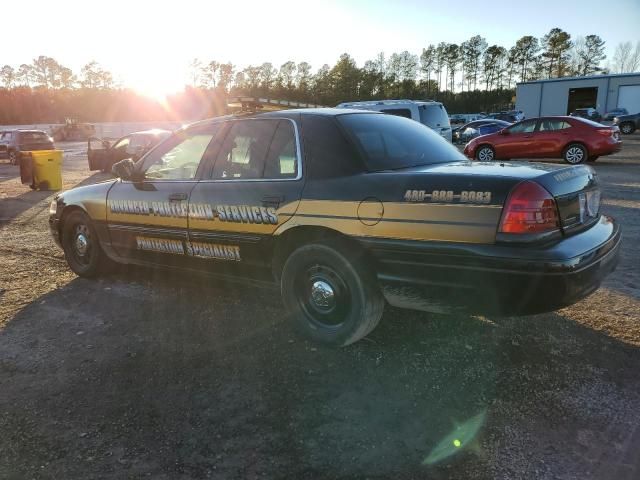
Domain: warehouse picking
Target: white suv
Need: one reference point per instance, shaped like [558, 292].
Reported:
[429, 113]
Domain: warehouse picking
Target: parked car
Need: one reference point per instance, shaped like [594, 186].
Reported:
[14, 142]
[504, 116]
[574, 139]
[616, 112]
[627, 123]
[429, 113]
[342, 209]
[588, 113]
[457, 119]
[102, 154]
[477, 128]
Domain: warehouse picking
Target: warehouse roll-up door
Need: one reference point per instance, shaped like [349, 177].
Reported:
[629, 98]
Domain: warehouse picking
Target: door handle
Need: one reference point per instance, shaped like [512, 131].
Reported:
[177, 197]
[272, 200]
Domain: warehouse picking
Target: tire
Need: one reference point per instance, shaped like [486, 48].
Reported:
[627, 128]
[331, 295]
[13, 157]
[593, 158]
[81, 246]
[485, 154]
[575, 154]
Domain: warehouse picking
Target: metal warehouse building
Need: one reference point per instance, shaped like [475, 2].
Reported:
[561, 96]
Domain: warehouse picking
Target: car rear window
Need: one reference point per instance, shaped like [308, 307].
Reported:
[434, 115]
[587, 121]
[389, 142]
[31, 137]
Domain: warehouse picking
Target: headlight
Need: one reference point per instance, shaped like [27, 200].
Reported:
[53, 207]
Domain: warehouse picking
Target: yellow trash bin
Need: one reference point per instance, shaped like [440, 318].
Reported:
[47, 169]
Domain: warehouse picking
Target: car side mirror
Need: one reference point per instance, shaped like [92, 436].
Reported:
[123, 169]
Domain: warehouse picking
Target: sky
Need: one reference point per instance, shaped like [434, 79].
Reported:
[148, 45]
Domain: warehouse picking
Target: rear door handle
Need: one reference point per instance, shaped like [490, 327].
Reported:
[176, 197]
[272, 200]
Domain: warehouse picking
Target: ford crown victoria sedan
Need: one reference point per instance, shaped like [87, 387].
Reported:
[346, 210]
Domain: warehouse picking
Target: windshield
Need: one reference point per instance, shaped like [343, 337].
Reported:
[390, 143]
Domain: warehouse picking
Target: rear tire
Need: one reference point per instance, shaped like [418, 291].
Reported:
[485, 154]
[627, 128]
[13, 158]
[330, 293]
[81, 246]
[575, 154]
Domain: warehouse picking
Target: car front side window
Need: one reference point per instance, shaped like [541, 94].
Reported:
[180, 156]
[523, 127]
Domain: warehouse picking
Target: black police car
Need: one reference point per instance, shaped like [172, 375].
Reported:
[344, 209]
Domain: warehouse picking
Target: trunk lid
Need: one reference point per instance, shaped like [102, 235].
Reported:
[574, 187]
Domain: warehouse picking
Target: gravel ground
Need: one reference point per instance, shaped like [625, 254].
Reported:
[152, 373]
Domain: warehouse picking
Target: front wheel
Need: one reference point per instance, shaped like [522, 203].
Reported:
[81, 246]
[330, 293]
[627, 128]
[575, 154]
[13, 158]
[485, 154]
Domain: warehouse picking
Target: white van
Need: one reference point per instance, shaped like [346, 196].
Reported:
[429, 113]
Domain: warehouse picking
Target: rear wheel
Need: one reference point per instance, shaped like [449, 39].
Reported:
[627, 128]
[13, 158]
[330, 293]
[575, 154]
[81, 246]
[485, 154]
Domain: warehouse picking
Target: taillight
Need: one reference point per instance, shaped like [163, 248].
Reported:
[529, 209]
[606, 132]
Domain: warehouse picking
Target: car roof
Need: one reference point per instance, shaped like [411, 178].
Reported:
[327, 112]
[153, 131]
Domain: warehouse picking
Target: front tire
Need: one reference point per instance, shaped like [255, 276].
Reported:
[81, 246]
[485, 154]
[575, 154]
[330, 293]
[627, 128]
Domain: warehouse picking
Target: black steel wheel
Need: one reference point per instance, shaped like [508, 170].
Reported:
[330, 293]
[81, 246]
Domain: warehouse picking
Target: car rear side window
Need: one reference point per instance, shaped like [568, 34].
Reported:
[388, 142]
[282, 160]
[551, 124]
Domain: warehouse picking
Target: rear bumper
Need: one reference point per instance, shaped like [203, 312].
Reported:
[505, 280]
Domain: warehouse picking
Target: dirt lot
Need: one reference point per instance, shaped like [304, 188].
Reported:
[155, 374]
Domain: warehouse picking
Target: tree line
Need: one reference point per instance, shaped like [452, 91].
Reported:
[469, 76]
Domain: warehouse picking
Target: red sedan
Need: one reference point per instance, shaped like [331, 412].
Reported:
[574, 139]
